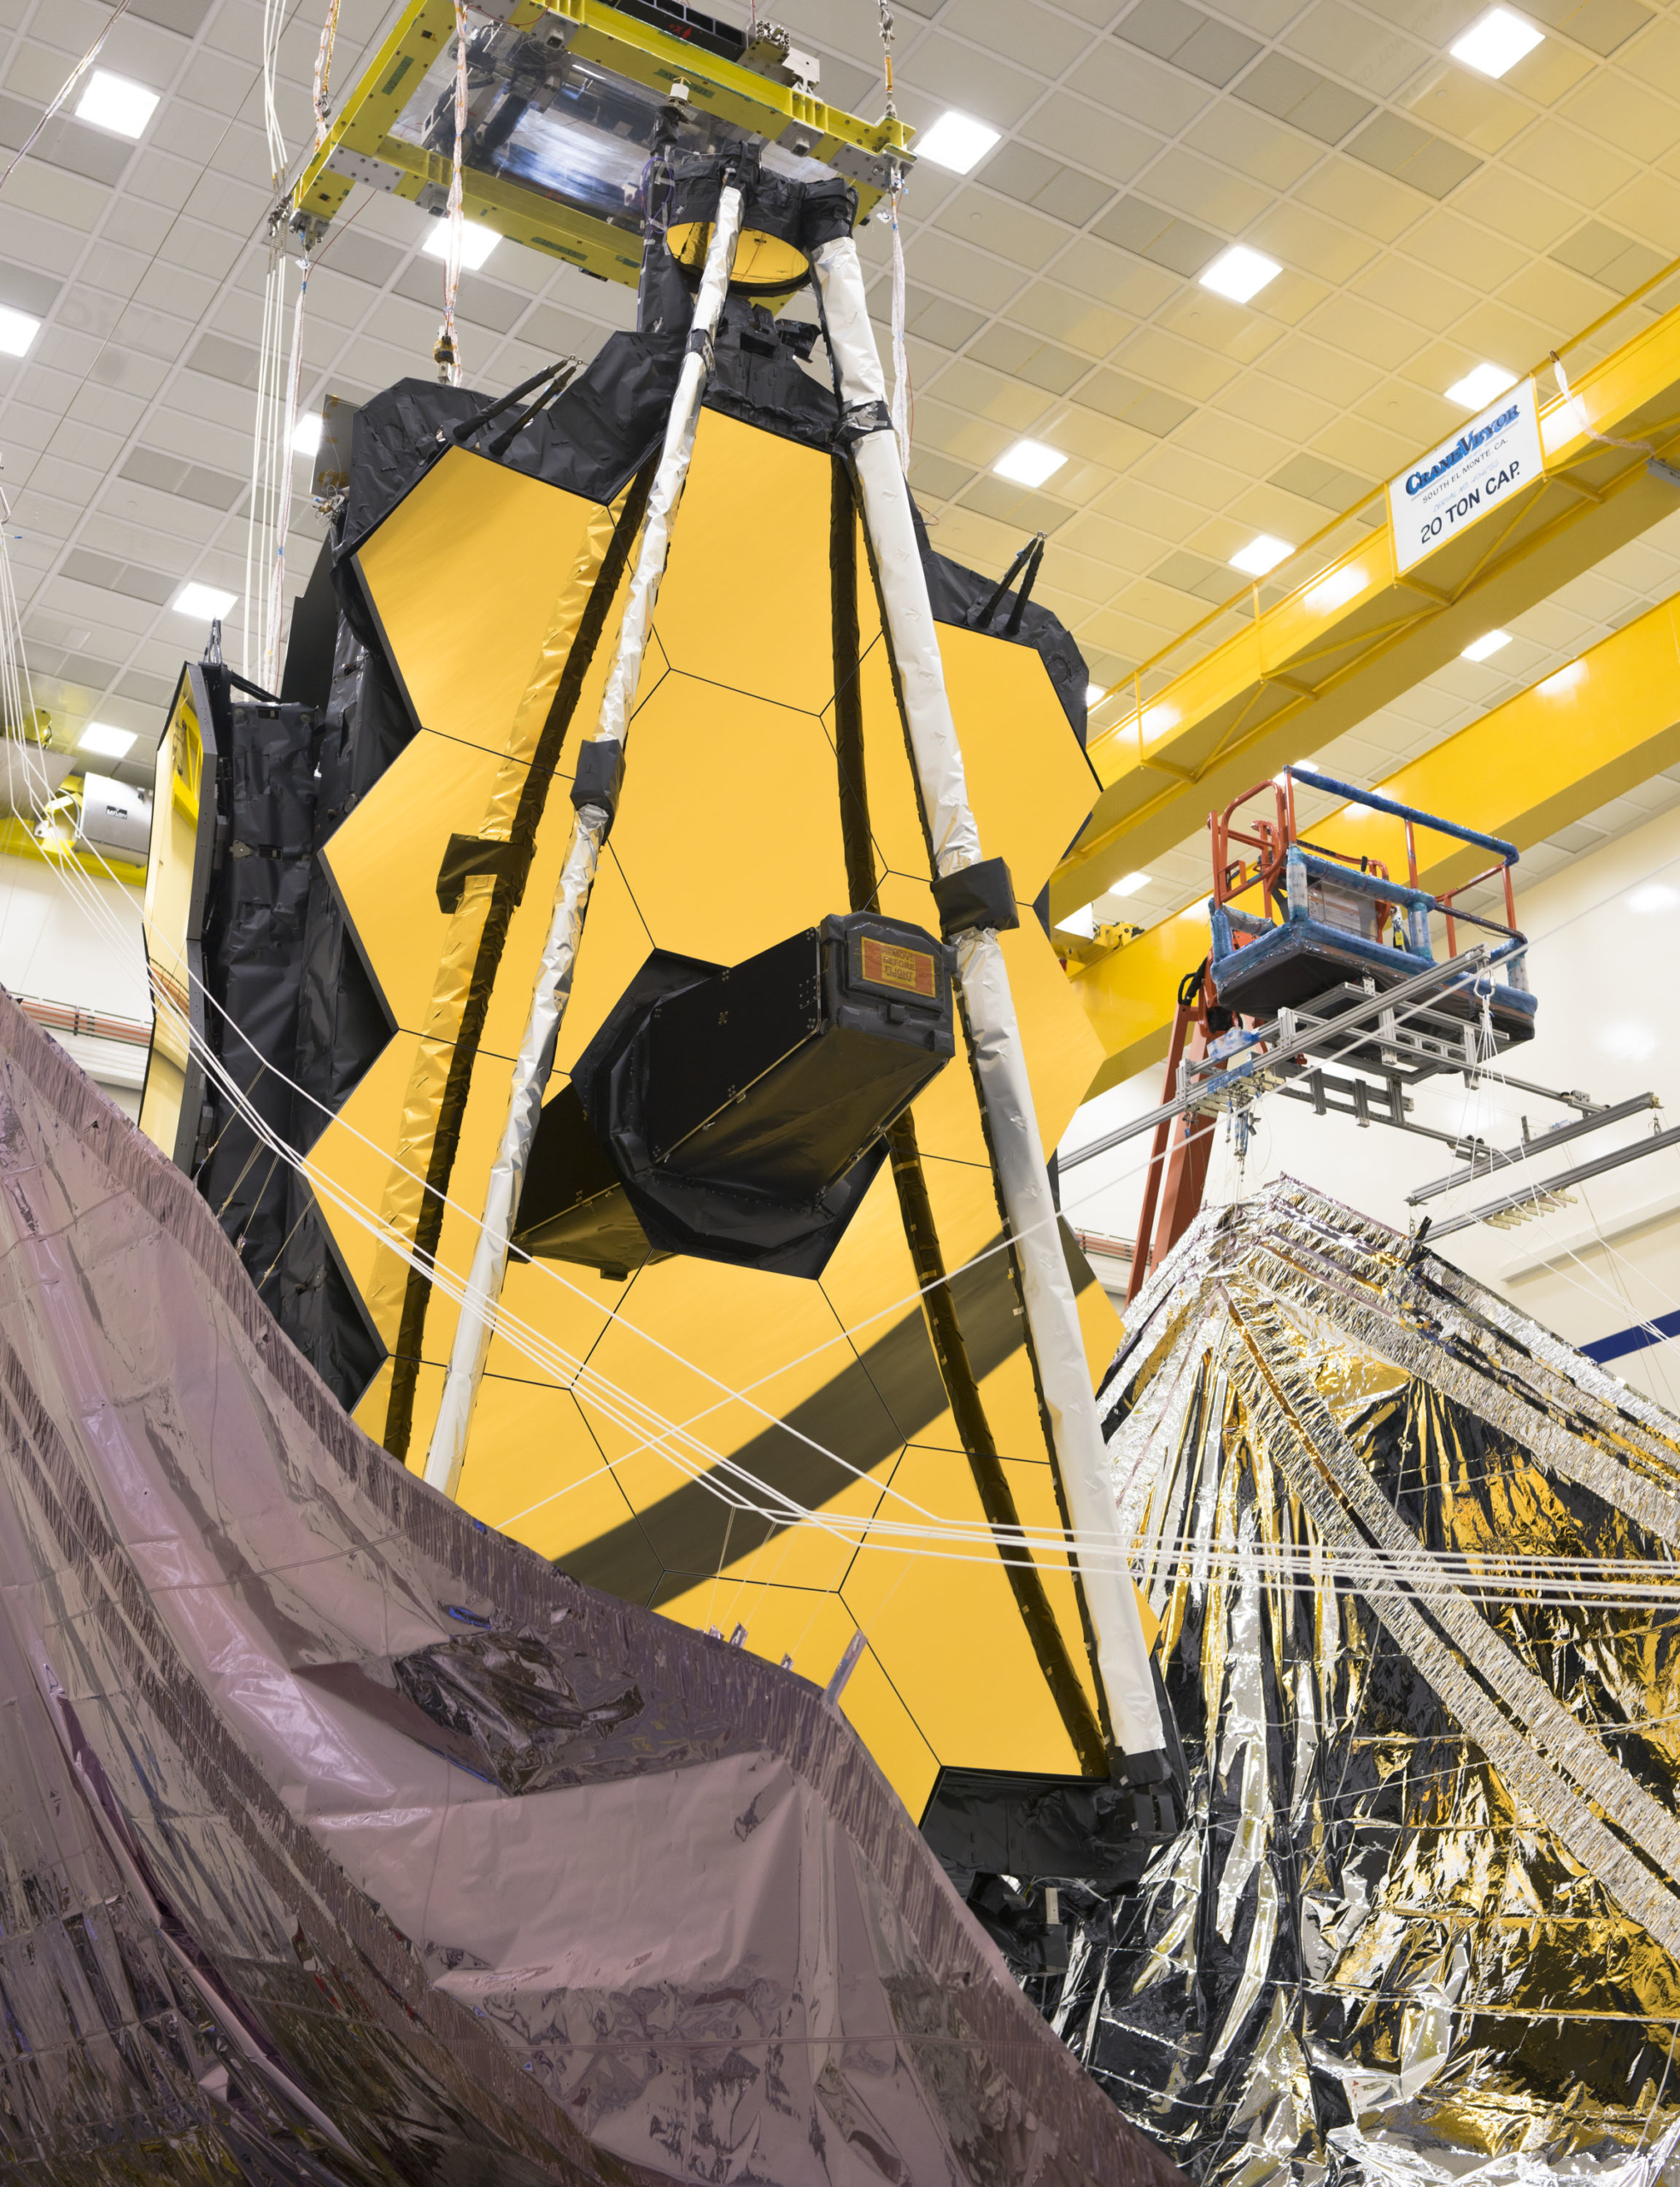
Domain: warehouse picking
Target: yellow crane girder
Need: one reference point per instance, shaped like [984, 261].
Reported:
[1357, 631]
[1584, 735]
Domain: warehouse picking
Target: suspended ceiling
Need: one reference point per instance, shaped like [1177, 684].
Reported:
[1427, 220]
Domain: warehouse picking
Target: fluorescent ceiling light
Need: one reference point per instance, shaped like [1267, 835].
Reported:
[1479, 388]
[1094, 694]
[1262, 553]
[1240, 272]
[104, 741]
[1129, 883]
[203, 602]
[477, 241]
[1334, 592]
[1489, 642]
[306, 433]
[1495, 42]
[113, 103]
[1564, 679]
[956, 142]
[1082, 923]
[1029, 463]
[17, 331]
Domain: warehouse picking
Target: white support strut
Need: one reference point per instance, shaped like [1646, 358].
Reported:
[467, 1354]
[1000, 1065]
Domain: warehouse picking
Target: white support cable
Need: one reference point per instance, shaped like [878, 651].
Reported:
[947, 1542]
[448, 353]
[527, 1342]
[266, 459]
[273, 25]
[471, 1347]
[902, 401]
[1122, 1660]
[320, 91]
[706, 1468]
[56, 103]
[274, 615]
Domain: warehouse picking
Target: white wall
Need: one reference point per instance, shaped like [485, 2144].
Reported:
[77, 940]
[1606, 933]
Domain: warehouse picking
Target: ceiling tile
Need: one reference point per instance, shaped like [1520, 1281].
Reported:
[1132, 84]
[1198, 43]
[955, 74]
[1013, 231]
[1639, 122]
[1075, 130]
[1187, 369]
[1512, 206]
[1200, 316]
[1445, 241]
[1068, 317]
[1422, 295]
[1300, 96]
[972, 276]
[1585, 169]
[1411, 156]
[1114, 276]
[937, 477]
[1180, 246]
[1256, 146]
[1367, 53]
[1601, 24]
[1207, 192]
[1033, 36]
[1361, 198]
[1461, 104]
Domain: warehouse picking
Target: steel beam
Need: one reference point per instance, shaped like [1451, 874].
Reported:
[1554, 753]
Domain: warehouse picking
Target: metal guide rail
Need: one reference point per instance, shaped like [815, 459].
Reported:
[1387, 1043]
[1387, 1034]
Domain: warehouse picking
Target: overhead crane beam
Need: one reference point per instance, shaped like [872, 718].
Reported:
[1355, 633]
[1586, 733]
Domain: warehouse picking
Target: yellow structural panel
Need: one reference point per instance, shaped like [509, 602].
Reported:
[607, 1406]
[1585, 735]
[1354, 634]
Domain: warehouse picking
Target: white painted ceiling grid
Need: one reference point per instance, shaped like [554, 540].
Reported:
[1425, 218]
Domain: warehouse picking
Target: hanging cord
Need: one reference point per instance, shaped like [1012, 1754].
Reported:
[64, 91]
[1577, 411]
[902, 406]
[323, 73]
[268, 669]
[260, 519]
[448, 355]
[273, 23]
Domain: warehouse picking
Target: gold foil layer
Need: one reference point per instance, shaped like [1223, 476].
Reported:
[1422, 1921]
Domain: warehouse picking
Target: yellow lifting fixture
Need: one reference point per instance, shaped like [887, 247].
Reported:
[563, 101]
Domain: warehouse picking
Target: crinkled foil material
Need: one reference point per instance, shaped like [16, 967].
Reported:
[1422, 1923]
[344, 1842]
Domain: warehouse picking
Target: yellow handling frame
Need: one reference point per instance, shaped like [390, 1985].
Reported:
[360, 147]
